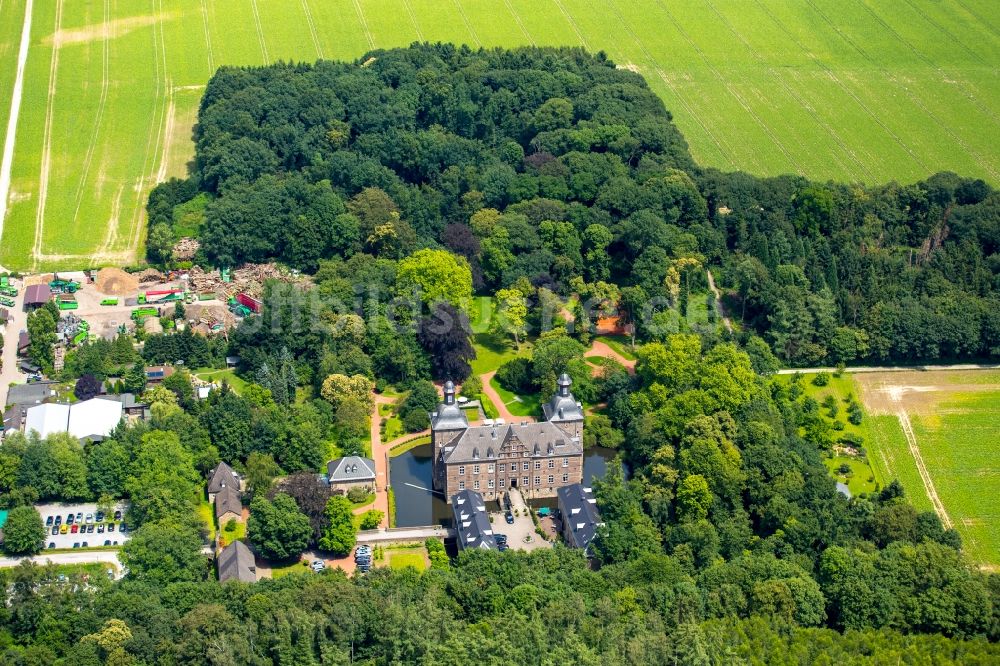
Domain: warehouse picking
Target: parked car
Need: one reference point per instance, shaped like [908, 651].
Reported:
[55, 531]
[79, 517]
[107, 542]
[52, 544]
[63, 529]
[118, 515]
[84, 544]
[74, 529]
[111, 527]
[100, 528]
[100, 516]
[90, 518]
[503, 547]
[509, 517]
[58, 520]
[90, 528]
[48, 521]
[76, 545]
[500, 538]
[69, 519]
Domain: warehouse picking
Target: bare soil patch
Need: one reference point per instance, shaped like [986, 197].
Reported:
[97, 31]
[919, 392]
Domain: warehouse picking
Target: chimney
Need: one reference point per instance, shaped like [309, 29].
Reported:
[449, 392]
[564, 383]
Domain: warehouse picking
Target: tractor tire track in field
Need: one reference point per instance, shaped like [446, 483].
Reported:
[836, 80]
[913, 98]
[725, 151]
[7, 162]
[803, 103]
[413, 20]
[364, 23]
[911, 441]
[468, 25]
[945, 31]
[572, 24]
[520, 23]
[732, 91]
[43, 175]
[208, 38]
[979, 19]
[88, 159]
[260, 31]
[930, 63]
[312, 29]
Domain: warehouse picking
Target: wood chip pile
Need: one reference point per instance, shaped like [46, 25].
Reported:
[246, 280]
[185, 249]
[116, 282]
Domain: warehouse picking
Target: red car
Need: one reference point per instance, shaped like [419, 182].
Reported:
[74, 529]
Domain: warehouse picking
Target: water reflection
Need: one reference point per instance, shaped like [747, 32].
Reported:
[417, 505]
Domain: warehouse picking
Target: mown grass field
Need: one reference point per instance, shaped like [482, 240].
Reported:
[862, 90]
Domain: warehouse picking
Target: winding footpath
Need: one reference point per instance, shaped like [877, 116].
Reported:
[7, 163]
[718, 302]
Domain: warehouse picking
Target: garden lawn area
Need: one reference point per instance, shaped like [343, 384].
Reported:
[369, 498]
[480, 313]
[412, 444]
[620, 343]
[840, 388]
[208, 517]
[281, 569]
[493, 351]
[236, 535]
[523, 405]
[227, 375]
[860, 480]
[392, 429]
[401, 560]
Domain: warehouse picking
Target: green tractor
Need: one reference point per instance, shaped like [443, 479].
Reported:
[7, 290]
[6, 302]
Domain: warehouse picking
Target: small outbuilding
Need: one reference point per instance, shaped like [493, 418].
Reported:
[351, 472]
[36, 296]
[228, 506]
[236, 562]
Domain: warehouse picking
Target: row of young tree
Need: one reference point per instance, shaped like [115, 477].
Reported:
[551, 165]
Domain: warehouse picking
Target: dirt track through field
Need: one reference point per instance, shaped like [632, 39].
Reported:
[7, 163]
[911, 441]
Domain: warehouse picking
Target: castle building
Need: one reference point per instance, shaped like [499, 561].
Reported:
[536, 458]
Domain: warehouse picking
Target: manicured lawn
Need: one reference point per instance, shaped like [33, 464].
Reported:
[280, 569]
[403, 448]
[219, 376]
[402, 560]
[228, 537]
[519, 405]
[480, 313]
[392, 429]
[493, 351]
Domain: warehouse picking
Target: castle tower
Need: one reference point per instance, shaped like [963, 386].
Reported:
[563, 409]
[447, 423]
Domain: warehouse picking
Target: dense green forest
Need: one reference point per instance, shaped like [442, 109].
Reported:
[552, 165]
[543, 172]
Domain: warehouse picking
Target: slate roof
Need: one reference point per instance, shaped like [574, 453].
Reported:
[484, 442]
[221, 477]
[472, 522]
[30, 394]
[449, 416]
[351, 469]
[579, 513]
[228, 501]
[236, 562]
[563, 406]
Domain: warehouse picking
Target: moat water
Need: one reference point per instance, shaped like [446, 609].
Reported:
[417, 504]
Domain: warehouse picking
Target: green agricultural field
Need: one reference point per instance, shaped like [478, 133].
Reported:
[955, 422]
[863, 90]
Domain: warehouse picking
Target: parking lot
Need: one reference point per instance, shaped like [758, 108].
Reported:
[108, 531]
